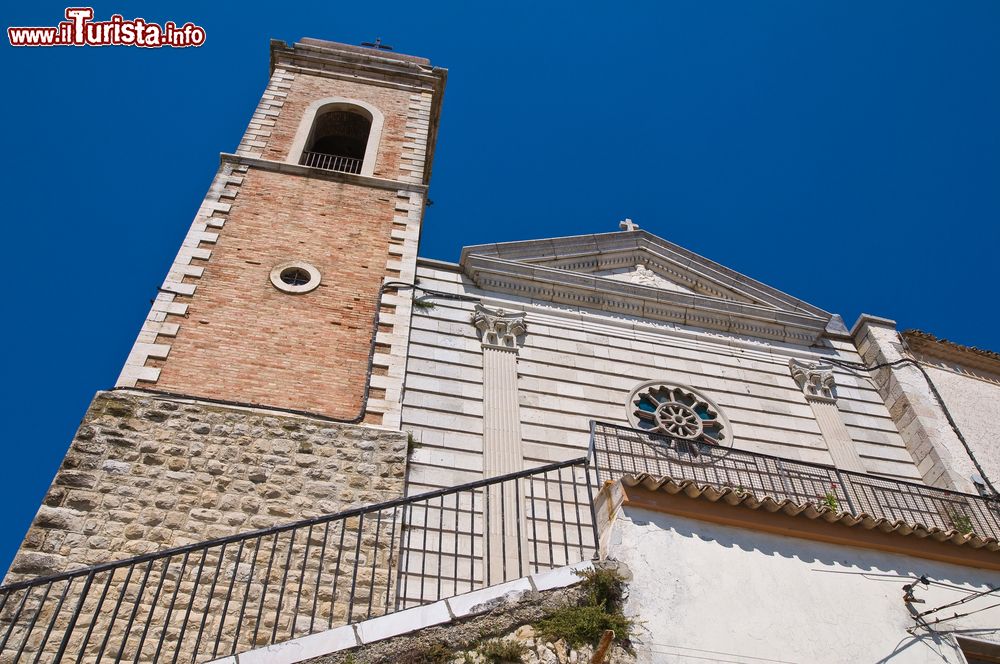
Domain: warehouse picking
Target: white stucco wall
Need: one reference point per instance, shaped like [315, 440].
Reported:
[576, 366]
[709, 593]
[974, 403]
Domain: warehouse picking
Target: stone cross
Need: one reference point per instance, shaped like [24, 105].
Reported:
[628, 225]
[377, 45]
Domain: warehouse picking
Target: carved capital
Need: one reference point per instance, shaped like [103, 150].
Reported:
[815, 380]
[499, 328]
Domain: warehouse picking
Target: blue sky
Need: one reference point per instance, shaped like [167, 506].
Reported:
[846, 152]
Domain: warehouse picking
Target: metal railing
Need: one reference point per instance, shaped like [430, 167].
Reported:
[228, 595]
[331, 162]
[619, 450]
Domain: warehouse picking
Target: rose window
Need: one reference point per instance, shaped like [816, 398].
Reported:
[678, 412]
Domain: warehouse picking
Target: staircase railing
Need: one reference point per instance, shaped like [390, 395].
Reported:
[224, 596]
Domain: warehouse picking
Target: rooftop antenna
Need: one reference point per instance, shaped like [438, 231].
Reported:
[377, 45]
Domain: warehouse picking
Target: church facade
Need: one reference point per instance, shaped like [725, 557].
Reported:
[317, 430]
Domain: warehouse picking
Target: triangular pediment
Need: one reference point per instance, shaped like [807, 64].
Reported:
[639, 274]
[642, 275]
[643, 266]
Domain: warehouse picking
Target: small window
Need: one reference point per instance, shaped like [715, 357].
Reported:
[338, 141]
[979, 652]
[295, 277]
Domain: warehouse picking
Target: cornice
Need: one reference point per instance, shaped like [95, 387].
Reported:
[560, 271]
[696, 271]
[320, 173]
[438, 264]
[581, 290]
[870, 320]
[331, 56]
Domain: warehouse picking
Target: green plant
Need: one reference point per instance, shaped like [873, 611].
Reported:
[584, 625]
[829, 499]
[411, 443]
[500, 651]
[961, 522]
[435, 653]
[604, 587]
[421, 303]
[604, 593]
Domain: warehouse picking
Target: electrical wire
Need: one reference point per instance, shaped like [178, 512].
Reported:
[951, 586]
[961, 615]
[843, 364]
[967, 598]
[435, 293]
[363, 409]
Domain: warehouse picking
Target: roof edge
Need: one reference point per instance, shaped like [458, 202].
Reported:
[732, 507]
[950, 351]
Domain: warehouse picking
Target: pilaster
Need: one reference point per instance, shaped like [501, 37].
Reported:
[819, 388]
[501, 334]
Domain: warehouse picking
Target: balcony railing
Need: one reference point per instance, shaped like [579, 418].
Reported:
[619, 450]
[331, 162]
[199, 602]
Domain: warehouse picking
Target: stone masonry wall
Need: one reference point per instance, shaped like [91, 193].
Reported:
[507, 620]
[146, 473]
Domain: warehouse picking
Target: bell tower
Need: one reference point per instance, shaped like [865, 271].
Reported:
[265, 383]
[273, 297]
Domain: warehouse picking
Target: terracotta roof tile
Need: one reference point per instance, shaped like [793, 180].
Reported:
[925, 342]
[735, 497]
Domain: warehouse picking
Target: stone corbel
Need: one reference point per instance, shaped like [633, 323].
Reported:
[499, 328]
[819, 386]
[815, 380]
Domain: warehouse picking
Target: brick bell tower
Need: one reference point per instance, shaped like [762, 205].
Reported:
[265, 383]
